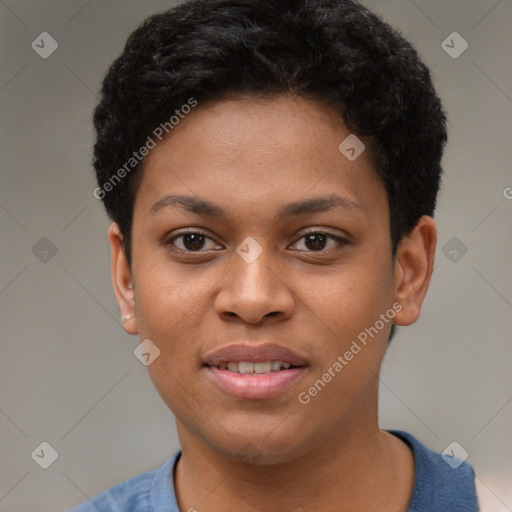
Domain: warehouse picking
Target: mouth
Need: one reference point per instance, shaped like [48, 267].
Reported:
[251, 367]
[248, 371]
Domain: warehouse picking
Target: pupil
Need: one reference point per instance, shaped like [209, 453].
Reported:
[318, 245]
[193, 241]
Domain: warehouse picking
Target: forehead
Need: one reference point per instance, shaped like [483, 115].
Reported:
[257, 154]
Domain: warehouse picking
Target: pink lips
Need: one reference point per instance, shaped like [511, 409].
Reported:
[254, 386]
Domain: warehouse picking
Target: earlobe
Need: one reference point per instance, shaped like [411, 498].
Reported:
[122, 279]
[414, 263]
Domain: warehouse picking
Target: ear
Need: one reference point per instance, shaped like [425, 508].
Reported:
[122, 279]
[413, 266]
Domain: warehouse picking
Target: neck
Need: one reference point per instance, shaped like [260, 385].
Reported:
[360, 467]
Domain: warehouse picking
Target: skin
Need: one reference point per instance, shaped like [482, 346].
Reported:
[250, 157]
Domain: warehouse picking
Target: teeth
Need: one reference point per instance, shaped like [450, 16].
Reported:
[262, 367]
[233, 367]
[276, 365]
[246, 367]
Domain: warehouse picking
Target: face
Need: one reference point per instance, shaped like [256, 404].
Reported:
[251, 227]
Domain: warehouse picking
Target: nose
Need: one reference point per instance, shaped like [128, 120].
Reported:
[252, 292]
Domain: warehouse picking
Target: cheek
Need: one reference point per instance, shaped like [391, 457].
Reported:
[347, 322]
[171, 317]
[165, 296]
[171, 311]
[350, 299]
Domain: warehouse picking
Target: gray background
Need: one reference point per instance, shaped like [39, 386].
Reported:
[68, 374]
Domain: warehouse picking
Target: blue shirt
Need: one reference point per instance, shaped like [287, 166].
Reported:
[438, 487]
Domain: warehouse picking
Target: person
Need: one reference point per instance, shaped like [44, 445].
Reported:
[271, 170]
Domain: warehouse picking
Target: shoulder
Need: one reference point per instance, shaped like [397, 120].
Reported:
[442, 481]
[133, 495]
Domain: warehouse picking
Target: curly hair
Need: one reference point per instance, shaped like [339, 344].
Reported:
[336, 51]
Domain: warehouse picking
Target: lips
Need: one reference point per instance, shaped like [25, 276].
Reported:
[245, 352]
[251, 372]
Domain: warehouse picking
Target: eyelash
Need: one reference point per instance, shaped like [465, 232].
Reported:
[341, 242]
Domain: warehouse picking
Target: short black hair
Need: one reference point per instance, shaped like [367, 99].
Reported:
[336, 51]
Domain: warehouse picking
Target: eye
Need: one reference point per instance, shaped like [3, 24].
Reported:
[314, 241]
[191, 241]
[318, 240]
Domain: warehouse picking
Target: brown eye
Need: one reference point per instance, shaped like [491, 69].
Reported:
[191, 241]
[319, 241]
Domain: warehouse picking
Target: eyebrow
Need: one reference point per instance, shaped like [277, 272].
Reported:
[208, 209]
